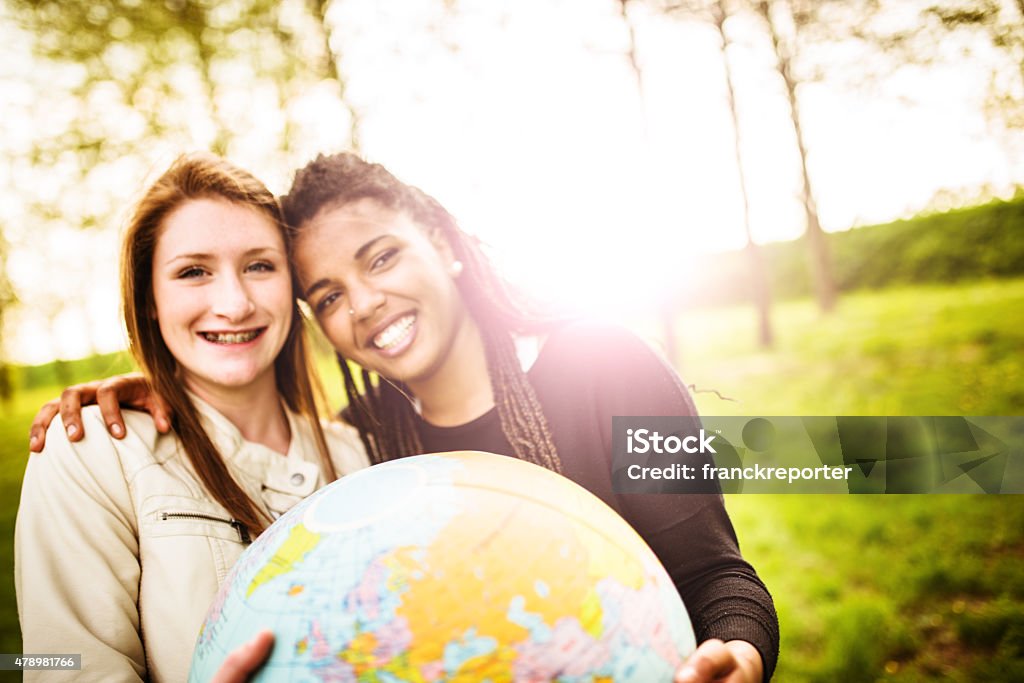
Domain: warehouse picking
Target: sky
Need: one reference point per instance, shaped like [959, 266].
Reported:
[525, 120]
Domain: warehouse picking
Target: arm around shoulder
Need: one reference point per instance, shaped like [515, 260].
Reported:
[77, 565]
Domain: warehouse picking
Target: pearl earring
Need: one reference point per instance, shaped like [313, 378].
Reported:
[455, 269]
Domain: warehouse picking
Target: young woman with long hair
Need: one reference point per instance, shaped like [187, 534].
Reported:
[121, 545]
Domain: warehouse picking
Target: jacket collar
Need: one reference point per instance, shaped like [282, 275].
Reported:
[295, 473]
[229, 440]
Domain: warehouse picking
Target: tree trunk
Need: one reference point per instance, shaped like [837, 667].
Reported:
[821, 269]
[331, 70]
[760, 287]
[665, 313]
[194, 17]
[6, 385]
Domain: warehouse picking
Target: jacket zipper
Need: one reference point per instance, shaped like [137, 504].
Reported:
[243, 532]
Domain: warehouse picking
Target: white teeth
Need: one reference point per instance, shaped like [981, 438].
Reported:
[394, 333]
[231, 337]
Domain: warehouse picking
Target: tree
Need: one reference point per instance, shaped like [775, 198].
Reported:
[759, 284]
[667, 318]
[134, 76]
[985, 33]
[716, 13]
[821, 269]
[329, 67]
[7, 299]
[1003, 25]
[191, 50]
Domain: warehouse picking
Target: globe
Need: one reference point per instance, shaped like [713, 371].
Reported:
[454, 567]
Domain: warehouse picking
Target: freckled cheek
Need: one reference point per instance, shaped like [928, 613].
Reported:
[177, 311]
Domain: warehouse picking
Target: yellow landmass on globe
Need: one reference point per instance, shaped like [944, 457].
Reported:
[489, 580]
[300, 541]
[600, 537]
[359, 653]
[400, 562]
[606, 559]
[495, 667]
[591, 614]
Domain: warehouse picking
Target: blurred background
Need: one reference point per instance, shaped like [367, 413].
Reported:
[813, 208]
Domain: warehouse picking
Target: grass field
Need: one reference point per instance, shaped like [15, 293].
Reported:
[925, 350]
[901, 588]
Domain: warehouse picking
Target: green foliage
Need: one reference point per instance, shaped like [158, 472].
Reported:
[967, 244]
[62, 373]
[130, 59]
[1001, 25]
[982, 241]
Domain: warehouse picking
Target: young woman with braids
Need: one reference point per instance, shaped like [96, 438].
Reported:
[403, 293]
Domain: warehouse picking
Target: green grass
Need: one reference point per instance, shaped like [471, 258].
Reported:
[13, 455]
[901, 588]
[924, 350]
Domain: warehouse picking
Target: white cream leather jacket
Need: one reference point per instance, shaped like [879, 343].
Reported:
[119, 550]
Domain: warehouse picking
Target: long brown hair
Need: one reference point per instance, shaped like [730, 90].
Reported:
[190, 177]
[384, 416]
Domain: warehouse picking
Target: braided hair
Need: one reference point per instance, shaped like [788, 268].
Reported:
[381, 410]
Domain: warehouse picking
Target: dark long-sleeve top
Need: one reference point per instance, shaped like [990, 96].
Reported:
[585, 374]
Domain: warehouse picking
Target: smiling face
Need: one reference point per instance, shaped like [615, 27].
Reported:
[384, 291]
[222, 295]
